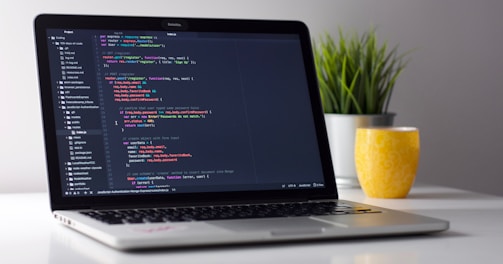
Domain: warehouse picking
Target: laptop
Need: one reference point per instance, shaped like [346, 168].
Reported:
[181, 132]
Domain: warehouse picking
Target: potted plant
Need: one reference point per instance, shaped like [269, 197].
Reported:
[356, 77]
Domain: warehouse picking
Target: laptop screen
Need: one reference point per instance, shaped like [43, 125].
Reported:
[170, 111]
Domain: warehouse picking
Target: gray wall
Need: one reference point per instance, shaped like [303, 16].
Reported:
[451, 89]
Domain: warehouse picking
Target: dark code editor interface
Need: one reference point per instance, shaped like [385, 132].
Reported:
[142, 112]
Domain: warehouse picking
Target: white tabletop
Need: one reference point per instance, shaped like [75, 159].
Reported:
[29, 235]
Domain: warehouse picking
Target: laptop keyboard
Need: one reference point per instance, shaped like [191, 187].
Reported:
[204, 213]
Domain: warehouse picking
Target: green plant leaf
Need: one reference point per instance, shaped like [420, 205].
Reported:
[356, 75]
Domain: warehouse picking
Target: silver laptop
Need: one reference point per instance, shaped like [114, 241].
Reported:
[176, 132]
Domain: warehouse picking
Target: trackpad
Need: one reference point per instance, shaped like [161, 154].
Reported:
[276, 226]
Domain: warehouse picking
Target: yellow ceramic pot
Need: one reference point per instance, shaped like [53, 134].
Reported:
[386, 160]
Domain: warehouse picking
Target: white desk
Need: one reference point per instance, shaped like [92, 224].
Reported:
[29, 235]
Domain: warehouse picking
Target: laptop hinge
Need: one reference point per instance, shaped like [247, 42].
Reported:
[193, 204]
